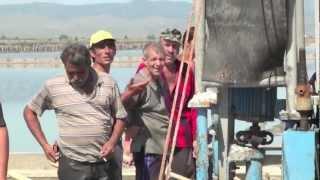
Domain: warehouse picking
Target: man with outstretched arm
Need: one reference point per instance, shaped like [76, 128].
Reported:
[148, 117]
[170, 40]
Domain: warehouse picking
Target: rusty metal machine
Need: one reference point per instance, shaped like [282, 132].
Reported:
[245, 51]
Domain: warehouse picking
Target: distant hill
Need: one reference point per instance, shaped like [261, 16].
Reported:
[309, 17]
[138, 18]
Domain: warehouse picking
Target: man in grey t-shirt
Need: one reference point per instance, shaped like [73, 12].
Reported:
[103, 48]
[4, 147]
[147, 111]
[85, 104]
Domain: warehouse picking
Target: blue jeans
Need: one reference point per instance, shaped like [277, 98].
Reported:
[147, 165]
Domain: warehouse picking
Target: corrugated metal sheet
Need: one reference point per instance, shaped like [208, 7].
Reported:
[254, 104]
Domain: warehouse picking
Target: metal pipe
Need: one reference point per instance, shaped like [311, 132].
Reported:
[202, 154]
[200, 43]
[254, 171]
[300, 24]
[291, 63]
[303, 99]
[215, 155]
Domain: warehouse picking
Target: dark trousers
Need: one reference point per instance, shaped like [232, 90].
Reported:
[138, 158]
[116, 164]
[70, 169]
[147, 165]
[183, 163]
[152, 164]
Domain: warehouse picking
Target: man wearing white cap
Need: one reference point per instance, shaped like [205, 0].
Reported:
[102, 50]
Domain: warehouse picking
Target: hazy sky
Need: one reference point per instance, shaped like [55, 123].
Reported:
[70, 1]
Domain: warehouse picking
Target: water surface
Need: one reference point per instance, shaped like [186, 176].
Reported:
[17, 88]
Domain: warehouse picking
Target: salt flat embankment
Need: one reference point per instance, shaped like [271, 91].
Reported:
[36, 166]
[56, 63]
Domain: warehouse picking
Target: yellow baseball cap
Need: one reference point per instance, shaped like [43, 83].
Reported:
[100, 36]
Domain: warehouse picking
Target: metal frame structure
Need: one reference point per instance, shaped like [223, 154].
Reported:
[224, 121]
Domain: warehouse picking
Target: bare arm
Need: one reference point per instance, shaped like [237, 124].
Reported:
[127, 100]
[108, 147]
[117, 131]
[133, 89]
[34, 126]
[130, 133]
[4, 152]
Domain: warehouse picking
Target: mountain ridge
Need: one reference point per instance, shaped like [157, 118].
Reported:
[133, 19]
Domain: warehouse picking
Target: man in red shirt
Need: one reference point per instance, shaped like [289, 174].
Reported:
[170, 40]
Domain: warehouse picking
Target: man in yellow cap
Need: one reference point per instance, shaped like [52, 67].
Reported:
[102, 50]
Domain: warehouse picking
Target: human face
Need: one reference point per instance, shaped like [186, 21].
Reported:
[154, 63]
[103, 52]
[171, 50]
[78, 75]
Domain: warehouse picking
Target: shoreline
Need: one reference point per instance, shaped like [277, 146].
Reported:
[28, 166]
[35, 165]
[126, 62]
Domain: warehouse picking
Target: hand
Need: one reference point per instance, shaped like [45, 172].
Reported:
[141, 60]
[195, 149]
[127, 145]
[136, 88]
[127, 159]
[51, 153]
[56, 147]
[107, 149]
[127, 153]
